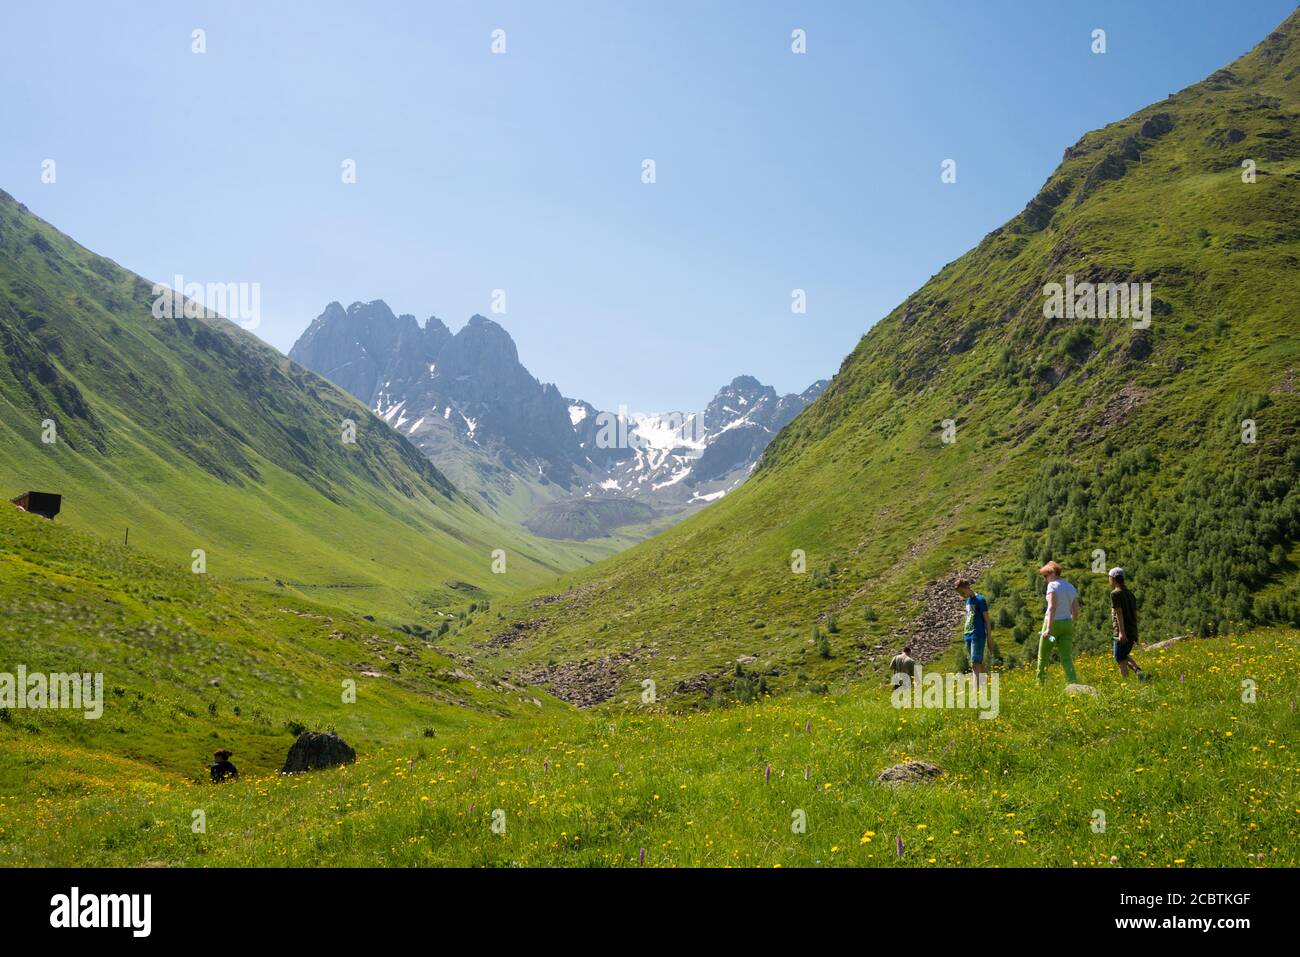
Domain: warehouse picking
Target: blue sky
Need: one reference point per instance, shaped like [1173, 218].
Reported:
[522, 171]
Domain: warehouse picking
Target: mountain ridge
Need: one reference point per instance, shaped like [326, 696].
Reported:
[525, 449]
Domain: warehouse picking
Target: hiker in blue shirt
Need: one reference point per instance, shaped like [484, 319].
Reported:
[977, 628]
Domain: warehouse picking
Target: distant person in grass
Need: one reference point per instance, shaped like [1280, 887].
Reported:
[1058, 623]
[221, 768]
[902, 664]
[978, 630]
[1124, 615]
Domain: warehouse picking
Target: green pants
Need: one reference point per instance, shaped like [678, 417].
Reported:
[1063, 632]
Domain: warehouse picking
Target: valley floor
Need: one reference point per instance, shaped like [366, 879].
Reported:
[1189, 769]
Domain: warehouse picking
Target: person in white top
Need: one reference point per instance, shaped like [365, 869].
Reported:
[1058, 623]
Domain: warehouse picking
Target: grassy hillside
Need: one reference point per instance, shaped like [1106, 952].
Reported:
[1183, 771]
[190, 663]
[194, 434]
[1086, 440]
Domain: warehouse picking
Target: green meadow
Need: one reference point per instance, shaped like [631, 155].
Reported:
[1176, 772]
[1192, 768]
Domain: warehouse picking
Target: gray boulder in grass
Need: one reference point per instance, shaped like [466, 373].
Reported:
[315, 750]
[910, 772]
[1081, 689]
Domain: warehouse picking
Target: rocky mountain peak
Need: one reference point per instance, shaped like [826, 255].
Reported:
[471, 406]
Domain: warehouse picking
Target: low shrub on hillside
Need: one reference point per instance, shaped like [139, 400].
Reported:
[1198, 539]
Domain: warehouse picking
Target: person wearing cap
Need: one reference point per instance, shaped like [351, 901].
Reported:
[1123, 613]
[1058, 623]
[221, 768]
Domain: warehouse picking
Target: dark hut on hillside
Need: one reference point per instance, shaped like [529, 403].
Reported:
[45, 504]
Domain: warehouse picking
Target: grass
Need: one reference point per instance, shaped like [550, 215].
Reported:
[1184, 771]
[191, 662]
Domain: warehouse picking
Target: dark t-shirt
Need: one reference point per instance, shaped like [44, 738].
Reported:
[222, 770]
[1123, 604]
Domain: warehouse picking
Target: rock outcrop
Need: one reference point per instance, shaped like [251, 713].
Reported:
[315, 750]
